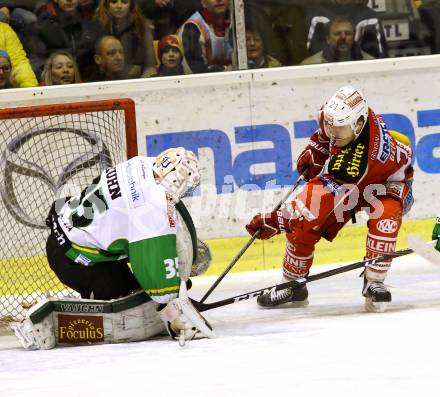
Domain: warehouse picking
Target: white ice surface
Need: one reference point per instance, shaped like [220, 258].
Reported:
[331, 348]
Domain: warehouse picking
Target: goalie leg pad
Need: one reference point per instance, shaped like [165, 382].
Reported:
[85, 321]
[40, 336]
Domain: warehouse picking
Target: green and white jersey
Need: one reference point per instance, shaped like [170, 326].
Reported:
[124, 213]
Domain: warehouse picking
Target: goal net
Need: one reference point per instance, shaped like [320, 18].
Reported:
[48, 152]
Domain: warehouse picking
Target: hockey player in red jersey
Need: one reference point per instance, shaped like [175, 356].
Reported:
[353, 163]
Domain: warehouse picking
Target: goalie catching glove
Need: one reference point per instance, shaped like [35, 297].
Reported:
[180, 316]
[270, 224]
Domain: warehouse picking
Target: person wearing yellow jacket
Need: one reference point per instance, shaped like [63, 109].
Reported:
[22, 73]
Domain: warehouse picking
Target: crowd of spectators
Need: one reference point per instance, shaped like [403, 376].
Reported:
[54, 42]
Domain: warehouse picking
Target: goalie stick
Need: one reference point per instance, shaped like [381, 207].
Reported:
[424, 248]
[251, 240]
[201, 307]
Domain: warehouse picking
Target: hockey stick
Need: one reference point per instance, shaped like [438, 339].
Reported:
[251, 240]
[357, 265]
[424, 248]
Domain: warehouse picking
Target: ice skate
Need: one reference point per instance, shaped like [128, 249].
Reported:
[377, 296]
[294, 296]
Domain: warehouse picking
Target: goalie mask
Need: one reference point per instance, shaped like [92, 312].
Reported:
[344, 109]
[177, 171]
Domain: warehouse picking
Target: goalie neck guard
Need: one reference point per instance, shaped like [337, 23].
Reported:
[176, 170]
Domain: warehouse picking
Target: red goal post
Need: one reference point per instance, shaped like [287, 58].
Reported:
[126, 105]
[46, 152]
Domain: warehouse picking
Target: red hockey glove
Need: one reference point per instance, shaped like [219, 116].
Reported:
[314, 156]
[272, 223]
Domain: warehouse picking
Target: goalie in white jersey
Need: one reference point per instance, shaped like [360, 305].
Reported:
[127, 215]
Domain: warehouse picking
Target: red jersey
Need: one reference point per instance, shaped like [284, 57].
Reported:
[375, 157]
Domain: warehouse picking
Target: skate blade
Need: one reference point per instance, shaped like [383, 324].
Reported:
[375, 307]
[294, 305]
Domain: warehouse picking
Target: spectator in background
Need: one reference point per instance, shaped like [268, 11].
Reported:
[5, 70]
[123, 20]
[60, 69]
[170, 52]
[289, 23]
[4, 14]
[168, 15]
[87, 8]
[368, 29]
[206, 38]
[61, 27]
[257, 58]
[109, 60]
[430, 15]
[22, 74]
[339, 44]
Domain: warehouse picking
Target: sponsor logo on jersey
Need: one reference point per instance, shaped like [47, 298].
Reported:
[83, 260]
[59, 235]
[295, 264]
[134, 187]
[395, 189]
[64, 224]
[143, 169]
[381, 247]
[384, 143]
[74, 329]
[331, 185]
[375, 150]
[350, 163]
[387, 226]
[409, 200]
[113, 183]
